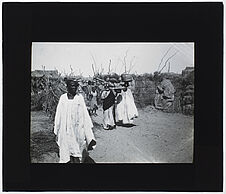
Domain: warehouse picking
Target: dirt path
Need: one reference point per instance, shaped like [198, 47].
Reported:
[158, 137]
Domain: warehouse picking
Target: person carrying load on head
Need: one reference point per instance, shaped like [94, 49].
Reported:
[73, 125]
[108, 98]
[126, 109]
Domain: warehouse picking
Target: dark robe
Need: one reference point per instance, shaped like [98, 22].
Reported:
[109, 101]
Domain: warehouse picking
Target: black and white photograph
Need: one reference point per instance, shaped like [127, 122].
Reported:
[112, 102]
[112, 97]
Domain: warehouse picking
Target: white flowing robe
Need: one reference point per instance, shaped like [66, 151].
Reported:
[108, 118]
[126, 110]
[73, 127]
[93, 101]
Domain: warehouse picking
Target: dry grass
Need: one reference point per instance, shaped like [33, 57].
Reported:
[42, 142]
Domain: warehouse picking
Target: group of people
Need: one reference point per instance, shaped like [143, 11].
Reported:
[91, 97]
[117, 100]
[73, 124]
[118, 106]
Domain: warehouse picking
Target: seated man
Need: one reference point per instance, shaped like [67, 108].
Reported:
[165, 94]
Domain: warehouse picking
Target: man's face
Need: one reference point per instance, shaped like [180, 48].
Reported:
[93, 89]
[125, 89]
[72, 87]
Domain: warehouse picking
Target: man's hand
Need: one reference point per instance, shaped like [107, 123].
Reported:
[91, 144]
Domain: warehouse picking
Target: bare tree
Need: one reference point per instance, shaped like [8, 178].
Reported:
[109, 67]
[80, 72]
[120, 69]
[169, 67]
[93, 70]
[125, 64]
[164, 57]
[102, 69]
[132, 64]
[124, 59]
[43, 68]
[168, 60]
[72, 71]
[64, 72]
[136, 73]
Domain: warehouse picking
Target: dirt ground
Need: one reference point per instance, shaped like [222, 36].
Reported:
[158, 137]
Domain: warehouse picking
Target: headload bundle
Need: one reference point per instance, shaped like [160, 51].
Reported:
[115, 81]
[126, 77]
[46, 90]
[114, 78]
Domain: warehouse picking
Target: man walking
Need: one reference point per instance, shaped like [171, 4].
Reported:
[73, 125]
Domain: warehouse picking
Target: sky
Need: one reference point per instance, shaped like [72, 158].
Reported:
[139, 57]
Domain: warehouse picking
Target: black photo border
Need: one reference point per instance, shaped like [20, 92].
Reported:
[201, 23]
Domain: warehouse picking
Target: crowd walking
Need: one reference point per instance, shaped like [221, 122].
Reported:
[73, 124]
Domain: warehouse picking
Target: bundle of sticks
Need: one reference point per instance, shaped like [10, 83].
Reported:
[111, 85]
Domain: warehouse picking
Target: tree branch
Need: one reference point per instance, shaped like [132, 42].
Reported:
[131, 64]
[168, 60]
[72, 72]
[124, 59]
[94, 70]
[109, 67]
[164, 57]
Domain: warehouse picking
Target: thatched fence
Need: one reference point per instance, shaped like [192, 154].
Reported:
[46, 90]
[145, 87]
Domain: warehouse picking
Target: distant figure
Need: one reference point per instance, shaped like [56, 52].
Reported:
[93, 102]
[73, 126]
[158, 98]
[126, 110]
[89, 89]
[108, 98]
[165, 93]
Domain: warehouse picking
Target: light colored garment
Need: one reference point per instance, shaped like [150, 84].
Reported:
[120, 109]
[73, 127]
[108, 118]
[93, 101]
[126, 110]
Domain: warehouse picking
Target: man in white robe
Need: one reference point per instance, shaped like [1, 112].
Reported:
[73, 126]
[126, 110]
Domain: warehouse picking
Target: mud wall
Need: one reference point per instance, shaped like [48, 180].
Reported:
[145, 86]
